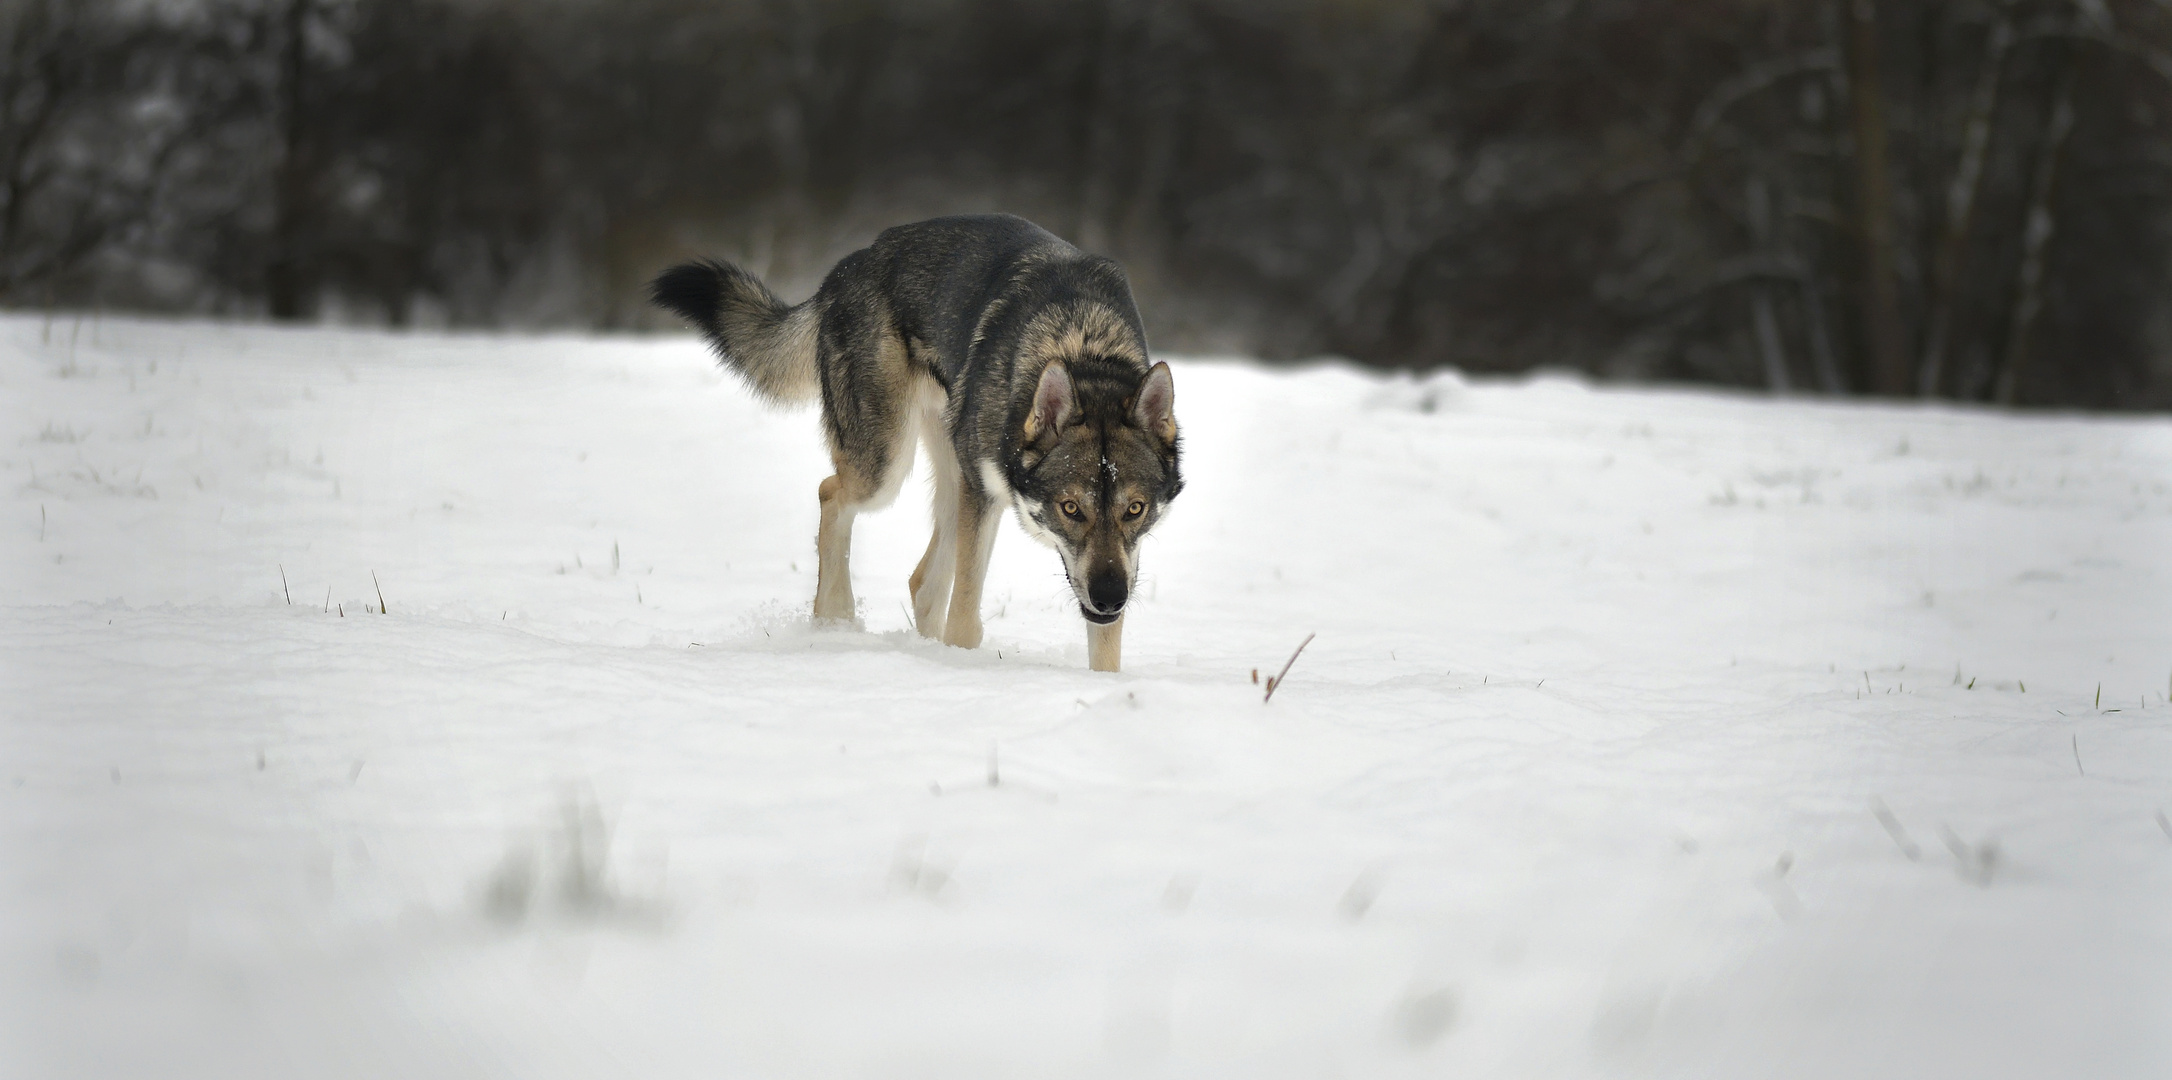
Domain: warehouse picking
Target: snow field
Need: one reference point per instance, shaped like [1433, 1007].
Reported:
[1645, 733]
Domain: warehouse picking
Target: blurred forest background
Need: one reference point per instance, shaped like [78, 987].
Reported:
[1969, 199]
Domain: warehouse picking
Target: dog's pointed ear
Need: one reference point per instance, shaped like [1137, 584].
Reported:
[1053, 401]
[1155, 406]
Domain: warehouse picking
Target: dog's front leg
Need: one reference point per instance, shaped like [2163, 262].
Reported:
[930, 584]
[977, 523]
[1105, 646]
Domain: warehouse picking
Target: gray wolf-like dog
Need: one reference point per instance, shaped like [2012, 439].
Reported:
[1017, 359]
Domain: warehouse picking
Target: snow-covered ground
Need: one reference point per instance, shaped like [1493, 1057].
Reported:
[1646, 733]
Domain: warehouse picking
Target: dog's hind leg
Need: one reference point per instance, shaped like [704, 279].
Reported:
[833, 553]
[867, 408]
[978, 521]
[859, 485]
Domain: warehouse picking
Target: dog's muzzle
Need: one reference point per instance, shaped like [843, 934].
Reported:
[1105, 596]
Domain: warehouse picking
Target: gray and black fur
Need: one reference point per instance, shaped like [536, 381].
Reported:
[1018, 360]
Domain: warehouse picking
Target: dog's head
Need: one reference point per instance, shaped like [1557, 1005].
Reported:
[1098, 463]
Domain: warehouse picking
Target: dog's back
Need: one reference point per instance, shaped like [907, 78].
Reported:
[967, 289]
[961, 294]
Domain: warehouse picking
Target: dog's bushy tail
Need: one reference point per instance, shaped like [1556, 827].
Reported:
[768, 342]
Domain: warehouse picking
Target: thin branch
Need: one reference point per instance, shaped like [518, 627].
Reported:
[1750, 81]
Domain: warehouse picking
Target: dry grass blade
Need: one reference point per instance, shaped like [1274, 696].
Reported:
[1277, 680]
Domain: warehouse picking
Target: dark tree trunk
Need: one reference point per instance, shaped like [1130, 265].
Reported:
[284, 289]
[1884, 336]
[1961, 210]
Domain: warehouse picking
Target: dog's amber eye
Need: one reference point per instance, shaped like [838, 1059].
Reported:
[1070, 510]
[1135, 509]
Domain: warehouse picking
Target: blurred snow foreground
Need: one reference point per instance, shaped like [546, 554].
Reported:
[1645, 733]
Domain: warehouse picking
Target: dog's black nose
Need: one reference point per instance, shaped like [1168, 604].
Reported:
[1107, 591]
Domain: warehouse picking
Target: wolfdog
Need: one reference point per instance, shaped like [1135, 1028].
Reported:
[1019, 361]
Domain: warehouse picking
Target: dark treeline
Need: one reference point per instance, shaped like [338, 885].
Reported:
[1956, 198]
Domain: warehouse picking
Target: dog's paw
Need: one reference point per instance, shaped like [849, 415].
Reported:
[963, 633]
